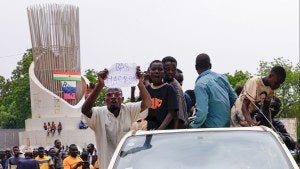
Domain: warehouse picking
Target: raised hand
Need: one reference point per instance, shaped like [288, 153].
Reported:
[89, 89]
[102, 75]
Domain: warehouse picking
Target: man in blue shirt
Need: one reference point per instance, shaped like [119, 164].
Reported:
[214, 96]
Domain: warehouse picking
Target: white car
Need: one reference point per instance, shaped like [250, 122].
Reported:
[213, 148]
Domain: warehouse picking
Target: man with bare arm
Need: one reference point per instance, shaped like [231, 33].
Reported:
[111, 122]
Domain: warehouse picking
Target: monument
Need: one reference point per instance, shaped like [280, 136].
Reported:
[56, 85]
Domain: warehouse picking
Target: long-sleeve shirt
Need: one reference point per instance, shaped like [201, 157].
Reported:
[214, 99]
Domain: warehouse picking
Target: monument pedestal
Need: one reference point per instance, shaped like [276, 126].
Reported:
[48, 107]
[36, 138]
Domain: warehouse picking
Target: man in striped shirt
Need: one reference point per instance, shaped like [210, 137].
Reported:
[44, 161]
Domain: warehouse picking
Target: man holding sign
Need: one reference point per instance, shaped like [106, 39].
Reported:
[111, 122]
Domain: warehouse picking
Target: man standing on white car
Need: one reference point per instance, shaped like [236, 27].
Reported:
[111, 122]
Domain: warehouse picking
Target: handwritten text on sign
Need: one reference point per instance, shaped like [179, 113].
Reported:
[121, 75]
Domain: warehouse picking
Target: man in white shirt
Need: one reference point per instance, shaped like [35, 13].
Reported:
[111, 122]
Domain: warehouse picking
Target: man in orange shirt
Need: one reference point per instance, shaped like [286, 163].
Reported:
[73, 161]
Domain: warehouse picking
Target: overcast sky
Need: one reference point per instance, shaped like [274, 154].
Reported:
[237, 34]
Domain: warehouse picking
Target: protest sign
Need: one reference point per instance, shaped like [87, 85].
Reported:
[121, 75]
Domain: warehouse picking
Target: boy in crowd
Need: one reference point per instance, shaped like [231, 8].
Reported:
[170, 67]
[254, 88]
[164, 104]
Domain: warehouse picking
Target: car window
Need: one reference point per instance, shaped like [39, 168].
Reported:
[203, 150]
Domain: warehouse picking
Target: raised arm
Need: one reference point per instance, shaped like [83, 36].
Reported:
[92, 97]
[145, 96]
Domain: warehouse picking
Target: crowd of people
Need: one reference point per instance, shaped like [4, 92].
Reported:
[162, 104]
[51, 128]
[56, 157]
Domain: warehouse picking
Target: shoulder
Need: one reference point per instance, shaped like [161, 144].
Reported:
[169, 88]
[254, 79]
[130, 106]
[176, 84]
[67, 158]
[167, 85]
[205, 78]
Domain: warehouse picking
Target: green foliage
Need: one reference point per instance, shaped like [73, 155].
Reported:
[296, 106]
[91, 75]
[15, 95]
[238, 79]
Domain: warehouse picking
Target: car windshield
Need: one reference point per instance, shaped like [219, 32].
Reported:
[204, 150]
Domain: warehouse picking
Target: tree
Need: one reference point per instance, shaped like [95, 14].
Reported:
[3, 88]
[15, 95]
[239, 78]
[91, 75]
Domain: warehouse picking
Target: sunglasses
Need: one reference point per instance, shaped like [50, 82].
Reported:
[111, 94]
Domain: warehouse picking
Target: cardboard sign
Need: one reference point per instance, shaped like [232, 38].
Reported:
[121, 75]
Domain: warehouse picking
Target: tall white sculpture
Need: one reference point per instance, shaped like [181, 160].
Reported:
[56, 86]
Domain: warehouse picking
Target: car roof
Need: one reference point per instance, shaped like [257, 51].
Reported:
[237, 129]
[255, 128]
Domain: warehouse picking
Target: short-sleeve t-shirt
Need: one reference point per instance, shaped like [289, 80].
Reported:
[252, 91]
[44, 162]
[110, 129]
[13, 161]
[70, 162]
[163, 99]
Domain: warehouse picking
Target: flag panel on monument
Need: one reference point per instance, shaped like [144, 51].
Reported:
[69, 90]
[68, 86]
[69, 96]
[67, 76]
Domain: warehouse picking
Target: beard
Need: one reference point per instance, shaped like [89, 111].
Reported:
[113, 107]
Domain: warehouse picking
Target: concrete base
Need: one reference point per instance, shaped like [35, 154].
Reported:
[34, 139]
[48, 107]
[35, 135]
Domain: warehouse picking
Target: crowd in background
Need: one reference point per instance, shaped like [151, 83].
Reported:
[162, 104]
[56, 157]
